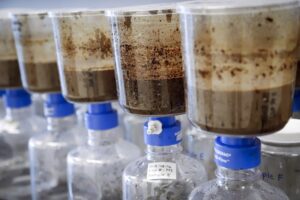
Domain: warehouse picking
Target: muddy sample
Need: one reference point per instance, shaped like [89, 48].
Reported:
[42, 77]
[10, 74]
[33, 35]
[241, 85]
[9, 67]
[149, 62]
[154, 97]
[92, 85]
[243, 113]
[85, 53]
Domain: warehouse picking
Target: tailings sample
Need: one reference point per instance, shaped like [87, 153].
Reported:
[147, 46]
[36, 52]
[85, 57]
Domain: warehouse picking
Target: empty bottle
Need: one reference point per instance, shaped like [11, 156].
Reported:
[48, 151]
[38, 104]
[200, 145]
[280, 164]
[19, 124]
[238, 176]
[95, 169]
[164, 173]
[134, 125]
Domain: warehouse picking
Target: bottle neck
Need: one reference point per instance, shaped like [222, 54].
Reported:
[18, 113]
[163, 153]
[237, 179]
[61, 124]
[102, 138]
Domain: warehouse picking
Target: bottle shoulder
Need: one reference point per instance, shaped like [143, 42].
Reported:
[57, 136]
[119, 151]
[28, 126]
[127, 149]
[259, 190]
[48, 140]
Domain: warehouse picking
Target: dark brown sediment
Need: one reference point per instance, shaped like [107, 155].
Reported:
[152, 78]
[90, 85]
[42, 77]
[155, 97]
[10, 74]
[254, 112]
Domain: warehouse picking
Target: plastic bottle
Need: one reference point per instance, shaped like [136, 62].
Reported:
[80, 112]
[121, 117]
[164, 173]
[95, 169]
[19, 124]
[238, 176]
[200, 145]
[281, 159]
[48, 151]
[2, 108]
[134, 125]
[38, 104]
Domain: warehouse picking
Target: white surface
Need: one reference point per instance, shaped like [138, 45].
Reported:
[290, 134]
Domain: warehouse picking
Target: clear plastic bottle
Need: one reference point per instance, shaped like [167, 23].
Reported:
[281, 159]
[237, 174]
[121, 116]
[80, 112]
[2, 108]
[48, 151]
[38, 104]
[200, 145]
[184, 121]
[19, 124]
[95, 169]
[134, 126]
[164, 173]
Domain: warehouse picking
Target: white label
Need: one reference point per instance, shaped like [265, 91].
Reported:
[154, 127]
[161, 170]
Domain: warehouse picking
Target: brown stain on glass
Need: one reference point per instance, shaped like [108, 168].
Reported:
[168, 14]
[69, 46]
[127, 22]
[99, 43]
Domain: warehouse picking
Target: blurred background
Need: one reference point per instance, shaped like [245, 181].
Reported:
[52, 4]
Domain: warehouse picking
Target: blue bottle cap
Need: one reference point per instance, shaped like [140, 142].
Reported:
[101, 117]
[296, 103]
[162, 131]
[2, 92]
[56, 106]
[17, 98]
[237, 153]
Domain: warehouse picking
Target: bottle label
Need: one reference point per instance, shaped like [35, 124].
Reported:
[161, 170]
